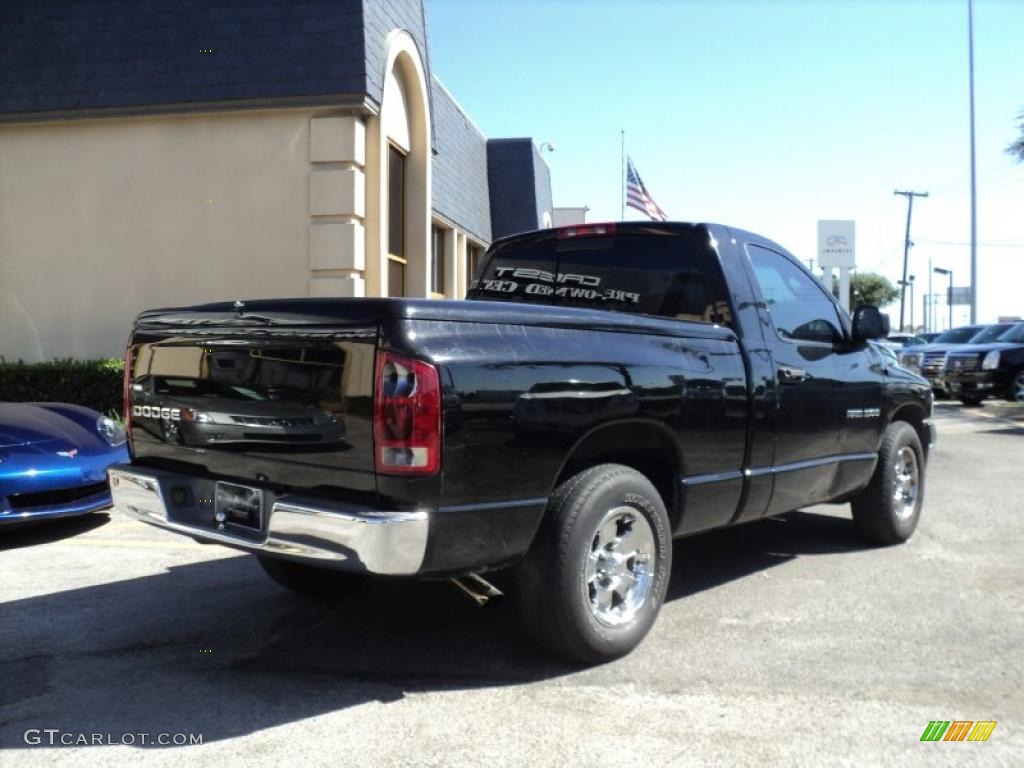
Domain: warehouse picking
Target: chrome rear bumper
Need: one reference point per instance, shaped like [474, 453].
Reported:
[326, 534]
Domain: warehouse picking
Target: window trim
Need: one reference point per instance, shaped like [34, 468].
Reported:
[481, 252]
[438, 257]
[404, 263]
[843, 330]
[402, 257]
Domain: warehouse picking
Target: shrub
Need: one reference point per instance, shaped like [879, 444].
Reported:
[92, 383]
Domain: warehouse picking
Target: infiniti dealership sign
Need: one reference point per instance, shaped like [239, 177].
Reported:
[836, 244]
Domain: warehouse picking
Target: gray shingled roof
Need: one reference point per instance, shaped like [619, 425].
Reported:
[460, 167]
[70, 58]
[116, 55]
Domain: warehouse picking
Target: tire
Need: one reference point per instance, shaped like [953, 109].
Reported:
[971, 400]
[572, 584]
[310, 580]
[1016, 391]
[880, 515]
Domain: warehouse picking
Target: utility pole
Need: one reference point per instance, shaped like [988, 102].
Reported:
[905, 283]
[906, 244]
[974, 188]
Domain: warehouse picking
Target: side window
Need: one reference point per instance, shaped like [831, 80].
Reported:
[799, 306]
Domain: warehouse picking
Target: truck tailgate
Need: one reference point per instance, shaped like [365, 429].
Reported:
[281, 402]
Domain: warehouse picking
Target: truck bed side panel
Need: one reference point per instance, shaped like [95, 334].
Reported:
[519, 398]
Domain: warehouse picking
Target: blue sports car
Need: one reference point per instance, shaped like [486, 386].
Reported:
[54, 459]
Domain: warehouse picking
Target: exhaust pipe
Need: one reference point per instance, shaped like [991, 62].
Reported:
[477, 589]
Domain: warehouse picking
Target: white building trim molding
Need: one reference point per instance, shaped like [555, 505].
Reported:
[405, 90]
[337, 206]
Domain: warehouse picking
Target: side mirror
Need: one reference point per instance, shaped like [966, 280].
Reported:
[869, 323]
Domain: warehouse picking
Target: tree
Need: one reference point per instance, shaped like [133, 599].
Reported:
[869, 289]
[872, 289]
[1017, 148]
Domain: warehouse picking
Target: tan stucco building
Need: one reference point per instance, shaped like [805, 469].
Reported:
[161, 160]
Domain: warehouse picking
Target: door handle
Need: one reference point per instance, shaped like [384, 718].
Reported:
[790, 375]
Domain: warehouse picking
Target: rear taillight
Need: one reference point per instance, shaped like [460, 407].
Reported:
[406, 416]
[127, 392]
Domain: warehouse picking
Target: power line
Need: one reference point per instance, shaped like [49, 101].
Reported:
[990, 185]
[1001, 172]
[995, 244]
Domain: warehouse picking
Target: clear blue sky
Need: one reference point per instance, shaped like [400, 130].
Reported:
[766, 115]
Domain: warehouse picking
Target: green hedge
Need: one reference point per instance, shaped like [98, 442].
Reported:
[93, 383]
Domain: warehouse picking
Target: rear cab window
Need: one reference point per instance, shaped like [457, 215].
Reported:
[647, 271]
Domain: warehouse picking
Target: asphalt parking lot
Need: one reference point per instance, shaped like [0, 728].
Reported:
[785, 641]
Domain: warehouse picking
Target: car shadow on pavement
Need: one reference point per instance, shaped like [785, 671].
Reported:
[215, 648]
[33, 532]
[1003, 431]
[709, 560]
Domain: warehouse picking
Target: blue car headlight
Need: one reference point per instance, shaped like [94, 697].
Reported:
[110, 431]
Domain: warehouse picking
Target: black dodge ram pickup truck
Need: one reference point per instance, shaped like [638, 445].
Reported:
[605, 388]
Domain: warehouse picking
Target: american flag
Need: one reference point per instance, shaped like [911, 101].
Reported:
[638, 197]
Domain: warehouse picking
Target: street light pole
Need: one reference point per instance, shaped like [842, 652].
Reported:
[974, 187]
[906, 244]
[949, 294]
[909, 283]
[911, 303]
[929, 313]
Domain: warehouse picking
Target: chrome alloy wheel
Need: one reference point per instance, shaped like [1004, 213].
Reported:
[619, 571]
[907, 481]
[1018, 387]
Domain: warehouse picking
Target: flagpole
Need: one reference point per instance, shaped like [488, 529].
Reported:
[622, 184]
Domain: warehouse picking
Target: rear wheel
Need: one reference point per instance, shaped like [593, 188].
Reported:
[593, 583]
[308, 579]
[1016, 393]
[971, 400]
[887, 511]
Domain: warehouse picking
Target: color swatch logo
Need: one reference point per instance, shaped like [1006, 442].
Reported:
[958, 730]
